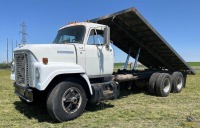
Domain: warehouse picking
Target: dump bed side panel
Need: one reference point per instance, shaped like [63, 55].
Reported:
[129, 29]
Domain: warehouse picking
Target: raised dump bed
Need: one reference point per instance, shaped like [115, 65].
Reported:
[130, 31]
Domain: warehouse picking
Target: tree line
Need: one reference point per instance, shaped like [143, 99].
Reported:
[5, 65]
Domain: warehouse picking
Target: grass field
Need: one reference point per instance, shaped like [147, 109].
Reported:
[194, 63]
[138, 110]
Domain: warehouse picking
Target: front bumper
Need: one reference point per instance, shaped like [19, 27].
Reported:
[24, 93]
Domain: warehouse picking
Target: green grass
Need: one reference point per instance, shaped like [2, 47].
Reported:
[118, 64]
[194, 63]
[138, 110]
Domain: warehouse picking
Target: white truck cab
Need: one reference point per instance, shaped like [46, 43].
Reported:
[80, 52]
[82, 48]
[89, 38]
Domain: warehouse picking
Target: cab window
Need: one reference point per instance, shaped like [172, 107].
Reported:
[73, 34]
[96, 37]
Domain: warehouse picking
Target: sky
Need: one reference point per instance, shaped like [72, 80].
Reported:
[178, 21]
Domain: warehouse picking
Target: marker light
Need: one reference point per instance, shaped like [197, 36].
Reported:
[45, 60]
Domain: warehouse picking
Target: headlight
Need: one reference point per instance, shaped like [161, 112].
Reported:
[37, 73]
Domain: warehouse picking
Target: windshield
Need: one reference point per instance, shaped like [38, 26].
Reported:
[73, 34]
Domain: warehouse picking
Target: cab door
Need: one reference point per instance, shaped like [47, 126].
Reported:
[99, 57]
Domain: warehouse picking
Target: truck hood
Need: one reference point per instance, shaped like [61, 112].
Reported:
[54, 52]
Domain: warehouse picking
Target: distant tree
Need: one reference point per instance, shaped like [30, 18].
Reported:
[4, 65]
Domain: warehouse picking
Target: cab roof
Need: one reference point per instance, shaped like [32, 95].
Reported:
[86, 24]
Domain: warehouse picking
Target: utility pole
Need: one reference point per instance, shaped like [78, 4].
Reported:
[16, 43]
[7, 50]
[23, 32]
[12, 48]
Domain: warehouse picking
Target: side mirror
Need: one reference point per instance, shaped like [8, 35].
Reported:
[107, 35]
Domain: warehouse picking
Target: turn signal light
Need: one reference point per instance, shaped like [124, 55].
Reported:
[45, 60]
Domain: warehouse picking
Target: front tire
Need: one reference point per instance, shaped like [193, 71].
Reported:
[66, 101]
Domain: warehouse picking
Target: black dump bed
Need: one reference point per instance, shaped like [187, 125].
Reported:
[129, 29]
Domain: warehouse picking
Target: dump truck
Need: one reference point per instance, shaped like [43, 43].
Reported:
[77, 68]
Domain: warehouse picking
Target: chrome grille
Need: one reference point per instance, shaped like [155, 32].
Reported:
[22, 68]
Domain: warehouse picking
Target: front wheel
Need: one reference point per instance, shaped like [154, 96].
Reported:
[66, 101]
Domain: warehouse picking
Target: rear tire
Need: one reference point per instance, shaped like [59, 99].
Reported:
[66, 101]
[152, 82]
[177, 82]
[163, 85]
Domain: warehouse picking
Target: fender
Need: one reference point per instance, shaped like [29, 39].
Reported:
[48, 72]
[88, 82]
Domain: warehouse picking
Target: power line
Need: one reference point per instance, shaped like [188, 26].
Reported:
[9, 50]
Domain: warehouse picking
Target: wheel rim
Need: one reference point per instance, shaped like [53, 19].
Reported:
[71, 100]
[166, 85]
[179, 83]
